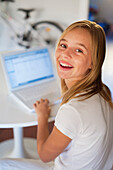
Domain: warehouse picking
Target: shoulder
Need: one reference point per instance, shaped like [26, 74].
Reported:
[83, 112]
[86, 105]
[77, 107]
[67, 111]
[68, 120]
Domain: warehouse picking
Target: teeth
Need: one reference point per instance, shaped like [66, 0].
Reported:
[65, 65]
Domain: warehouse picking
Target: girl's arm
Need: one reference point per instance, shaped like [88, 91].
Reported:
[48, 146]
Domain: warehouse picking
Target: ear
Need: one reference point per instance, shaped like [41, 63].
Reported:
[90, 67]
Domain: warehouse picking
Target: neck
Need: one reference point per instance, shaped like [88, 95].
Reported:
[69, 83]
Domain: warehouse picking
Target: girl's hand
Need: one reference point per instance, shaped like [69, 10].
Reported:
[42, 109]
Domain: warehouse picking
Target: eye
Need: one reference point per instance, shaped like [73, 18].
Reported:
[63, 45]
[79, 51]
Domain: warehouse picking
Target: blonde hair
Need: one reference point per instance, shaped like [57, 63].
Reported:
[91, 84]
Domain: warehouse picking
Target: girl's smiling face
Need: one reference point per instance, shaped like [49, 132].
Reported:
[73, 55]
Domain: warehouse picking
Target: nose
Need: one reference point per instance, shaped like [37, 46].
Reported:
[67, 53]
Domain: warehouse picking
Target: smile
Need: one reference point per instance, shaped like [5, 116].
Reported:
[65, 65]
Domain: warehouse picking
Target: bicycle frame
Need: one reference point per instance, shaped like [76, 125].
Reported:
[28, 34]
[19, 29]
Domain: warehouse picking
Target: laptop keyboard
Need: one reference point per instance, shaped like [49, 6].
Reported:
[52, 97]
[30, 95]
[35, 91]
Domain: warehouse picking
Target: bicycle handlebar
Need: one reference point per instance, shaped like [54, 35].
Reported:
[7, 0]
[27, 12]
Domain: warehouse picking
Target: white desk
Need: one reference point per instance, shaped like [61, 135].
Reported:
[13, 115]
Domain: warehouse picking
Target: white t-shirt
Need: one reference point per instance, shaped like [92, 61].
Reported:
[89, 124]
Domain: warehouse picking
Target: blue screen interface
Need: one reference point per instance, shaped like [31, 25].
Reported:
[28, 67]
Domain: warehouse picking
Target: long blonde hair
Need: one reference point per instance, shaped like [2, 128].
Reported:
[91, 84]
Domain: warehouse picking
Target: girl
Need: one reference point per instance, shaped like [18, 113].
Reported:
[82, 136]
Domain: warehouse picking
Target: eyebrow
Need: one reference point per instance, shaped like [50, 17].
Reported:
[83, 46]
[77, 43]
[63, 39]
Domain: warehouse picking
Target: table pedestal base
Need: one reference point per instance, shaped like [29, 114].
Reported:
[7, 149]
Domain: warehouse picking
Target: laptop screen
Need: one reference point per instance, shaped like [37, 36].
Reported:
[28, 67]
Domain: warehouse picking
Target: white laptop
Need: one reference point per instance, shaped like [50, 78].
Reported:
[30, 75]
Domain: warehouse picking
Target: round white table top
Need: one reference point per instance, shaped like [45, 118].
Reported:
[12, 114]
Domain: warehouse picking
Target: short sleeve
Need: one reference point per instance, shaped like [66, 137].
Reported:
[68, 121]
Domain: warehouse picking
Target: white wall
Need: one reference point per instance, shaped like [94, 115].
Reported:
[64, 11]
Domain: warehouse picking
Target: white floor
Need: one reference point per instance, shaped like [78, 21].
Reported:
[30, 147]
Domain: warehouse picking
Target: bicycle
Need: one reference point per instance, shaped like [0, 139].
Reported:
[28, 34]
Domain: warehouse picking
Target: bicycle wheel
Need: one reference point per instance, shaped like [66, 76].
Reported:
[46, 33]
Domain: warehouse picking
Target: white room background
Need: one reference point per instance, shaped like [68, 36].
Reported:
[62, 11]
[65, 11]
